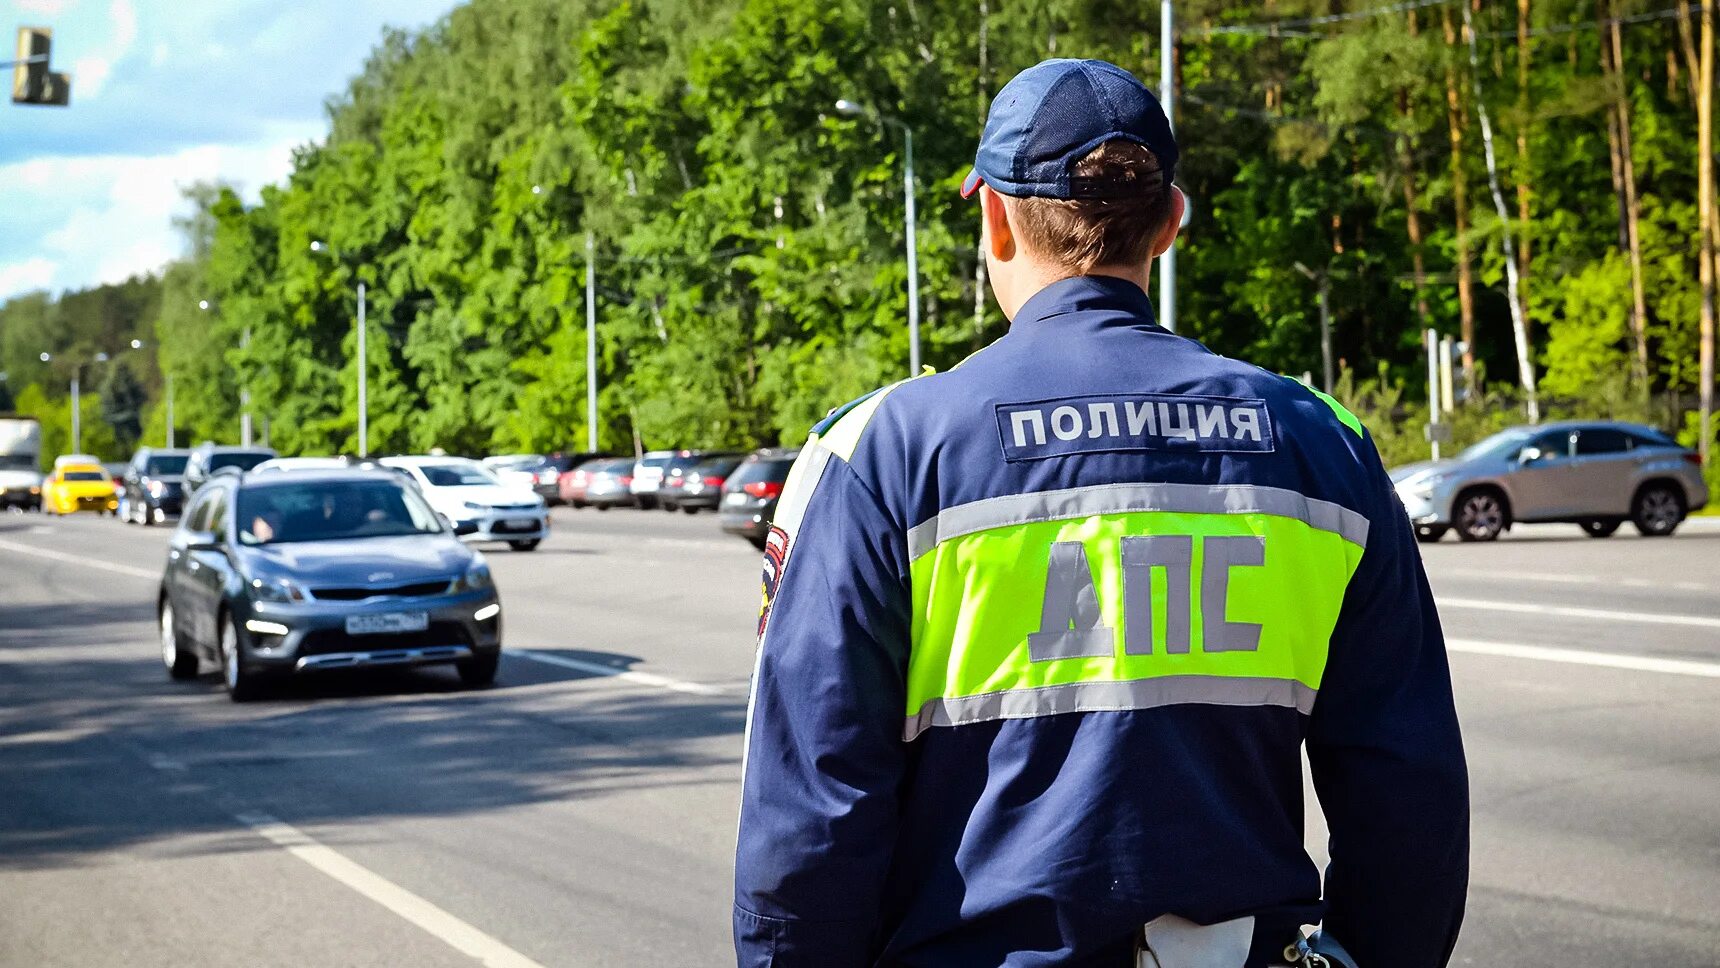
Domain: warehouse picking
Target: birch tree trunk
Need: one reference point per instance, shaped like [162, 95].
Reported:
[1456, 122]
[1632, 209]
[1705, 208]
[1524, 173]
[1519, 327]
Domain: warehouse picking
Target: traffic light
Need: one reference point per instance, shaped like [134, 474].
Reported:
[32, 82]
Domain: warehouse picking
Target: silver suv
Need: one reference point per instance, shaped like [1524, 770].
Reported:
[1595, 474]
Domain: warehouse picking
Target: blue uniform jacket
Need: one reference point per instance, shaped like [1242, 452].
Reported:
[1037, 824]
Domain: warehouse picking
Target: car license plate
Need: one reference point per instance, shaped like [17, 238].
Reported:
[736, 497]
[387, 622]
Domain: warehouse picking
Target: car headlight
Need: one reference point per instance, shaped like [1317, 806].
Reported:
[277, 590]
[155, 488]
[477, 577]
[475, 506]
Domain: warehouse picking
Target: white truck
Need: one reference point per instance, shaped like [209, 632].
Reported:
[20, 463]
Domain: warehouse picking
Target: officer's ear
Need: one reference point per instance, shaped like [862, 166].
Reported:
[999, 236]
[1173, 224]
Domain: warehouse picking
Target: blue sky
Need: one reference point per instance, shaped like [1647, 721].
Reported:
[164, 93]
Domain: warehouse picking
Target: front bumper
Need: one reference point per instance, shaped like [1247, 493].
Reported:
[504, 526]
[316, 636]
[1425, 508]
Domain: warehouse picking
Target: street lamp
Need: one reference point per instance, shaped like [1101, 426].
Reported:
[317, 245]
[77, 391]
[853, 109]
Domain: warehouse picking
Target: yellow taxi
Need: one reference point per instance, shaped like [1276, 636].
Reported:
[79, 487]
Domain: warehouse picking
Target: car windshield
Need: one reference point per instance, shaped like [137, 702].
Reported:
[17, 462]
[166, 464]
[242, 461]
[762, 469]
[1502, 444]
[326, 510]
[86, 475]
[719, 467]
[457, 475]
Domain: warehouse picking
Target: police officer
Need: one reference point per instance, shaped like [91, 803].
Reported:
[1044, 636]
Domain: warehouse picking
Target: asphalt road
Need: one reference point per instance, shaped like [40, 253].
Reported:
[581, 813]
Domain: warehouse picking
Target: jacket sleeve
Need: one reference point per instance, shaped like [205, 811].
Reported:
[1387, 757]
[824, 749]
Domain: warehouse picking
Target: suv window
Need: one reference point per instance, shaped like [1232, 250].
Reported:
[197, 518]
[1602, 440]
[217, 514]
[1554, 443]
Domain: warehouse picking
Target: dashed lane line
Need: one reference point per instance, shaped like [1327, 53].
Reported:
[79, 560]
[1571, 611]
[1609, 660]
[1562, 579]
[642, 678]
[440, 924]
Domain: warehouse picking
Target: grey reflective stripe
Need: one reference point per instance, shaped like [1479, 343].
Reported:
[1219, 554]
[1083, 697]
[1141, 554]
[1069, 626]
[1084, 502]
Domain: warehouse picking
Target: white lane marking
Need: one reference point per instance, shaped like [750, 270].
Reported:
[642, 678]
[1610, 660]
[80, 560]
[1542, 576]
[432, 919]
[1569, 611]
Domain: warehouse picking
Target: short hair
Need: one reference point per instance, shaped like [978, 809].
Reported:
[1113, 222]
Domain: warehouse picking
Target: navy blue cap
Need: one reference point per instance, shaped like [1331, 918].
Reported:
[1052, 115]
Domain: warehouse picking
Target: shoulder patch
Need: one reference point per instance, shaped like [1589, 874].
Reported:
[1343, 414]
[822, 427]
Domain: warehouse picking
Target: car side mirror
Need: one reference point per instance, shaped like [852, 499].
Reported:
[204, 544]
[1530, 455]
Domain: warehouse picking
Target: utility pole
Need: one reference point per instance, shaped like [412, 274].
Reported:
[1324, 279]
[590, 342]
[913, 253]
[1705, 208]
[169, 410]
[77, 414]
[1167, 98]
[245, 393]
[1434, 430]
[363, 385]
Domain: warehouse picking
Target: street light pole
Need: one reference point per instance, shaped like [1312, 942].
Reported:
[363, 387]
[853, 109]
[169, 378]
[77, 416]
[245, 393]
[590, 342]
[913, 254]
[1167, 97]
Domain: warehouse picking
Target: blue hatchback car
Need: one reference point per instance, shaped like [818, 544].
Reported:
[269, 575]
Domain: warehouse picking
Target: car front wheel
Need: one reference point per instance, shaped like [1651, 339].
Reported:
[1480, 516]
[181, 663]
[241, 682]
[1600, 528]
[525, 545]
[1657, 511]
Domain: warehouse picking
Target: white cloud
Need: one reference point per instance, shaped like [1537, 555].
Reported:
[47, 8]
[89, 74]
[26, 276]
[115, 212]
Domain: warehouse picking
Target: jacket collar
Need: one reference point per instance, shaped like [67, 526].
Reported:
[1113, 302]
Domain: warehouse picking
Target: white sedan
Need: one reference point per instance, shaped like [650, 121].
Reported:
[475, 502]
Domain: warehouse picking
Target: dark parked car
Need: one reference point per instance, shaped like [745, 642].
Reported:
[208, 458]
[556, 466]
[600, 484]
[675, 471]
[751, 493]
[274, 574]
[153, 488]
[700, 487]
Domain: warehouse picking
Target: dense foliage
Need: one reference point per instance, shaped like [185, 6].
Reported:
[747, 239]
